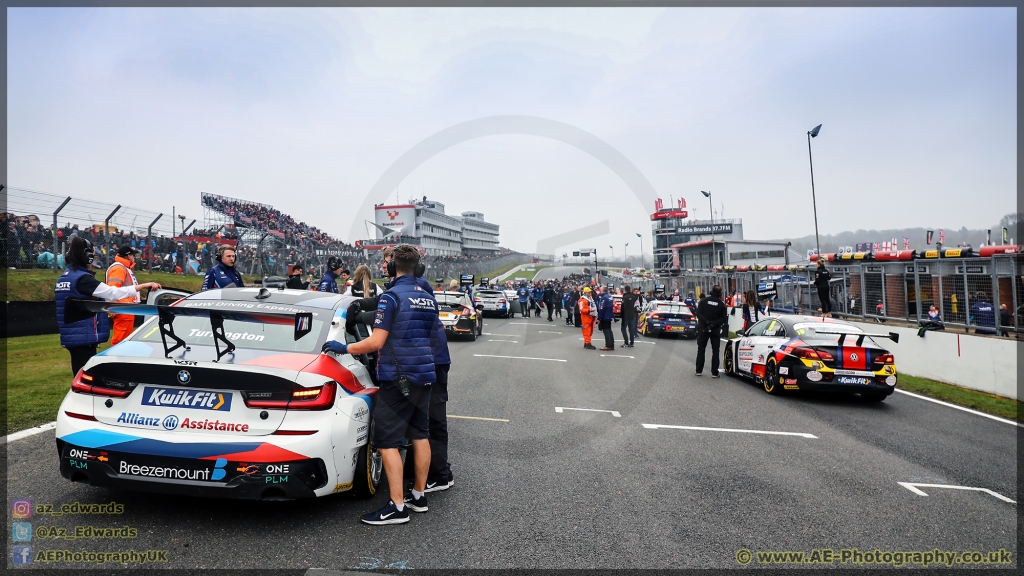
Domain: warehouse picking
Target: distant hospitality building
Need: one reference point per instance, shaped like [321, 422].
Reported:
[437, 233]
[681, 244]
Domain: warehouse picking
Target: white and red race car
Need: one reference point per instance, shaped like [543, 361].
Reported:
[225, 394]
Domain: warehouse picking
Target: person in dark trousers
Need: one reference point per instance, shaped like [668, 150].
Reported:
[549, 300]
[1005, 320]
[822, 277]
[629, 316]
[405, 327]
[605, 316]
[523, 293]
[573, 308]
[559, 299]
[81, 332]
[712, 317]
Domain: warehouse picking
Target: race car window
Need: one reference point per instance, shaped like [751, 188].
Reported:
[674, 309]
[248, 335]
[758, 329]
[775, 330]
[449, 299]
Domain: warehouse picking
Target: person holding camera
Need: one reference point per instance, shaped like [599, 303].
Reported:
[404, 328]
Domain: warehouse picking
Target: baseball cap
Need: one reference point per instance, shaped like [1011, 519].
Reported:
[126, 250]
[586, 288]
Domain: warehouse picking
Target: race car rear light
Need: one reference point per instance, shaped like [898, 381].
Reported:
[808, 353]
[294, 432]
[80, 416]
[825, 356]
[321, 398]
[884, 359]
[655, 316]
[82, 384]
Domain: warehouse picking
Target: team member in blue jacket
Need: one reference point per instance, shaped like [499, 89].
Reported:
[524, 300]
[605, 316]
[536, 297]
[405, 328]
[983, 315]
[223, 274]
[80, 332]
[329, 283]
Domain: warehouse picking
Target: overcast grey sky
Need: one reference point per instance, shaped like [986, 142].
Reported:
[306, 108]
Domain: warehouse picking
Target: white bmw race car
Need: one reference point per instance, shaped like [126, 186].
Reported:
[225, 394]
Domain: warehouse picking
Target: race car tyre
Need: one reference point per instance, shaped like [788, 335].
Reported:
[728, 361]
[369, 467]
[480, 327]
[874, 397]
[771, 378]
[472, 334]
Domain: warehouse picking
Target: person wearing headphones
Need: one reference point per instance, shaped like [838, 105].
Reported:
[329, 283]
[223, 275]
[81, 332]
[405, 328]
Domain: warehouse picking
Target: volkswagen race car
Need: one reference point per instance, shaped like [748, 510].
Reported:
[809, 353]
[459, 315]
[660, 317]
[225, 394]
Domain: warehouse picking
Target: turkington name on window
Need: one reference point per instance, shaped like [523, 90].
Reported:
[705, 229]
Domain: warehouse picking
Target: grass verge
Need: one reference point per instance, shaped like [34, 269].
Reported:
[38, 377]
[37, 285]
[980, 401]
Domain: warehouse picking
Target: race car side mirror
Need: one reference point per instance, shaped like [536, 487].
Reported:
[741, 332]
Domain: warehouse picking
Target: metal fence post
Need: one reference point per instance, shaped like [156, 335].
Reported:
[967, 300]
[917, 289]
[149, 243]
[942, 306]
[863, 293]
[106, 232]
[55, 253]
[885, 303]
[995, 293]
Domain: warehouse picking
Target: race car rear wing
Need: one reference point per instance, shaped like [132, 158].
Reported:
[860, 336]
[301, 321]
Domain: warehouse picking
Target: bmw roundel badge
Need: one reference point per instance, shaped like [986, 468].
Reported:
[184, 377]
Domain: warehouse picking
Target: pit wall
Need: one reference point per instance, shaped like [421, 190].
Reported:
[977, 362]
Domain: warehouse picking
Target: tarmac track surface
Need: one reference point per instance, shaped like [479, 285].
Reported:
[583, 489]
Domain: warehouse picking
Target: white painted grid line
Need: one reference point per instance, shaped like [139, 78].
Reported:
[477, 418]
[559, 409]
[616, 356]
[547, 332]
[496, 340]
[518, 357]
[801, 434]
[997, 418]
[914, 487]
[28, 432]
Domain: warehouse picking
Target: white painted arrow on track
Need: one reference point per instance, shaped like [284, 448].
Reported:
[914, 487]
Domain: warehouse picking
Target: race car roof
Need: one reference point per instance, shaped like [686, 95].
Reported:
[304, 298]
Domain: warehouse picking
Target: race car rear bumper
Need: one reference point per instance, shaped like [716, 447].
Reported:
[241, 480]
[797, 375]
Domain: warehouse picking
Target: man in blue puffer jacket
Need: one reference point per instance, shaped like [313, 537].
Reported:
[605, 316]
[405, 328]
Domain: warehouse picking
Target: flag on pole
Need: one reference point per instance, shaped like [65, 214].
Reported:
[988, 237]
[876, 246]
[658, 204]
[942, 236]
[906, 243]
[1005, 233]
[928, 238]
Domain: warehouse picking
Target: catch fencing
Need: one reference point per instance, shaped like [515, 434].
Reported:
[960, 289]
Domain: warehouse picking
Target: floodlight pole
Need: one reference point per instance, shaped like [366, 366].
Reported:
[57, 211]
[106, 230]
[814, 201]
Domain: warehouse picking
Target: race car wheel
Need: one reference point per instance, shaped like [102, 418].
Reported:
[369, 466]
[472, 334]
[728, 362]
[874, 397]
[479, 326]
[771, 378]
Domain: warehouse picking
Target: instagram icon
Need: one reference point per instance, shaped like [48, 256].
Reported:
[21, 509]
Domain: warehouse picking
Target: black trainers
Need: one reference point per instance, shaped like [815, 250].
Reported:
[696, 373]
[389, 514]
[714, 374]
[416, 505]
[438, 485]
